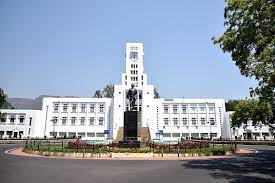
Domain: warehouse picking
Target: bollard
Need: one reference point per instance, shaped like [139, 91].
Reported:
[49, 146]
[162, 152]
[178, 152]
[62, 144]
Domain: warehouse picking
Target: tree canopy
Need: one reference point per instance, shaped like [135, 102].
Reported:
[231, 104]
[250, 40]
[108, 91]
[156, 93]
[4, 104]
[254, 110]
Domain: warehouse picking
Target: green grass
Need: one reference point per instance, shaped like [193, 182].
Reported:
[217, 150]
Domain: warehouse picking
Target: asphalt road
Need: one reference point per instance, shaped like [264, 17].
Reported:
[258, 167]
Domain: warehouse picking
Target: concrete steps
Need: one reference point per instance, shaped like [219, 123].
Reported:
[120, 134]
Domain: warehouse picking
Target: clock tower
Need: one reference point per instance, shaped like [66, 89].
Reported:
[134, 71]
[134, 74]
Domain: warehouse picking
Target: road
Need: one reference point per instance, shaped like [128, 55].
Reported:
[258, 167]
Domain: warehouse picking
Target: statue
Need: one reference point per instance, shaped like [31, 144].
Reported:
[132, 96]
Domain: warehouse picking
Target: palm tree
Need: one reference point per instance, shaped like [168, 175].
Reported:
[98, 94]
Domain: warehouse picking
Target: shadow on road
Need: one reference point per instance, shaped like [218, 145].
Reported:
[246, 168]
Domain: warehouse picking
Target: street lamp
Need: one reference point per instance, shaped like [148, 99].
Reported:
[210, 136]
[54, 124]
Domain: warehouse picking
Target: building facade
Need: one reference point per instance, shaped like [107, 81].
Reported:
[102, 118]
[251, 132]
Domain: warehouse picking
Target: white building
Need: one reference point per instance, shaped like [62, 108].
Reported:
[101, 118]
[21, 123]
[251, 132]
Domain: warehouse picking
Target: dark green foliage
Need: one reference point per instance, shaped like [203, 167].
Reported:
[4, 104]
[231, 104]
[250, 40]
[254, 110]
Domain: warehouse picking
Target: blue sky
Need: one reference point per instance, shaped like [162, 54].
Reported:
[73, 48]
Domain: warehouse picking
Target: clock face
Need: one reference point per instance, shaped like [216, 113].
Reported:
[134, 56]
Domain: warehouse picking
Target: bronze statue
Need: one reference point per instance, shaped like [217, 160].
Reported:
[132, 96]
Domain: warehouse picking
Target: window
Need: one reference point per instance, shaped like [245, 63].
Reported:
[73, 120]
[72, 134]
[29, 131]
[166, 134]
[166, 109]
[81, 134]
[175, 121]
[65, 107]
[265, 134]
[166, 121]
[99, 134]
[12, 119]
[193, 109]
[213, 134]
[83, 107]
[194, 121]
[211, 109]
[212, 121]
[175, 109]
[74, 106]
[64, 120]
[175, 134]
[92, 121]
[3, 119]
[101, 108]
[204, 135]
[21, 119]
[9, 133]
[82, 121]
[53, 134]
[184, 122]
[195, 135]
[62, 134]
[133, 55]
[183, 109]
[90, 134]
[203, 121]
[55, 107]
[101, 121]
[202, 109]
[185, 135]
[92, 108]
[30, 123]
[54, 120]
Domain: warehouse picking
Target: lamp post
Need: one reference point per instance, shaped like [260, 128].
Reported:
[54, 124]
[210, 129]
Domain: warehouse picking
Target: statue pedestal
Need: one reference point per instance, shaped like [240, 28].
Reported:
[132, 129]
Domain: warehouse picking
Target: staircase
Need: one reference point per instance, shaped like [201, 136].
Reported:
[144, 133]
[119, 136]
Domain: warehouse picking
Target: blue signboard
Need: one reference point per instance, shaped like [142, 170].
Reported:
[106, 132]
[161, 132]
[157, 134]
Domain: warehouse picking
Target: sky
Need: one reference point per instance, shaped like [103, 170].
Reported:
[72, 48]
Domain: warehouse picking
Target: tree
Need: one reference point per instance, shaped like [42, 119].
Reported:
[4, 104]
[231, 104]
[98, 94]
[254, 110]
[156, 93]
[250, 40]
[108, 91]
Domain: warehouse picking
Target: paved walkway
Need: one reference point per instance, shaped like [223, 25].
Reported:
[257, 167]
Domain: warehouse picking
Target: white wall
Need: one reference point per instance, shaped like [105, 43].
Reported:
[78, 128]
[217, 114]
[33, 129]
